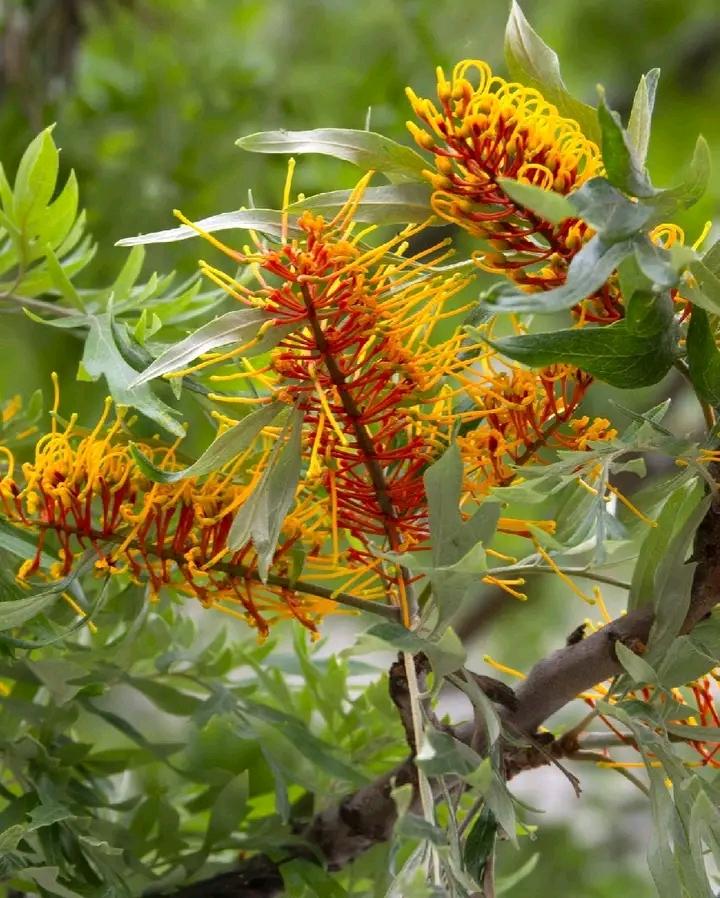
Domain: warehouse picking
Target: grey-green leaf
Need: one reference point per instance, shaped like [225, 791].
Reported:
[233, 327]
[531, 62]
[366, 149]
[641, 115]
[551, 206]
[267, 221]
[388, 204]
[703, 357]
[635, 352]
[228, 445]
[17, 612]
[588, 271]
[608, 210]
[640, 671]
[621, 165]
[262, 516]
[102, 358]
[227, 810]
[655, 547]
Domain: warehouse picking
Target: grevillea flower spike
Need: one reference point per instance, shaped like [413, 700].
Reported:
[485, 129]
[83, 491]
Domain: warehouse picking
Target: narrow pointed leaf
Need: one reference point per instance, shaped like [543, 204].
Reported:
[227, 446]
[36, 178]
[233, 327]
[261, 518]
[366, 149]
[703, 357]
[17, 611]
[531, 62]
[654, 552]
[641, 115]
[388, 204]
[266, 221]
[619, 159]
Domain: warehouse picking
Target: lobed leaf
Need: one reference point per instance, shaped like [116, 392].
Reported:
[102, 358]
[588, 271]
[608, 210]
[635, 352]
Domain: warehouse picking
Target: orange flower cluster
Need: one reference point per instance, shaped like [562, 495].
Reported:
[86, 491]
[359, 357]
[485, 129]
[361, 349]
[515, 413]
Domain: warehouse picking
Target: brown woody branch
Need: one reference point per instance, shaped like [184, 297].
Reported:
[344, 831]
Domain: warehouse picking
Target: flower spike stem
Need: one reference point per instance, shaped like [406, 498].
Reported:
[364, 441]
[389, 612]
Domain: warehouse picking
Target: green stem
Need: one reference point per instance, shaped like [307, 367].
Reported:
[41, 306]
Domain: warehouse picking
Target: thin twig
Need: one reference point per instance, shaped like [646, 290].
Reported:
[50, 307]
[582, 573]
[601, 759]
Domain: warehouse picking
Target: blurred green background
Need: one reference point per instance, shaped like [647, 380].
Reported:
[149, 97]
